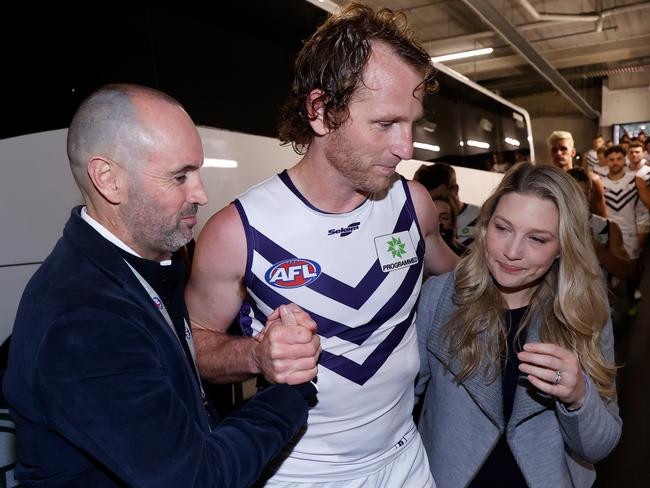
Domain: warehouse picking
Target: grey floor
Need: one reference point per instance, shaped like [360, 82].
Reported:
[628, 466]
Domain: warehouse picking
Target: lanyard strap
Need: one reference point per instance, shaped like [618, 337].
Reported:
[188, 333]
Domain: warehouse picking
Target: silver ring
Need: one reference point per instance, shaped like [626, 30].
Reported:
[558, 377]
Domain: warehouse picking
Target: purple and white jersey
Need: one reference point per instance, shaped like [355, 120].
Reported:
[626, 209]
[601, 171]
[358, 275]
[591, 157]
[644, 174]
[465, 223]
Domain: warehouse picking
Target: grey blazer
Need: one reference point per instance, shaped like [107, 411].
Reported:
[460, 424]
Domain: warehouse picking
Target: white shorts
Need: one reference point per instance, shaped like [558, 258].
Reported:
[408, 469]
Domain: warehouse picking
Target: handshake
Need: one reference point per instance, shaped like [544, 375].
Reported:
[288, 347]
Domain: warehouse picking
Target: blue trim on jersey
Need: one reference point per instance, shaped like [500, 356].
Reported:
[250, 242]
[616, 204]
[352, 296]
[360, 373]
[328, 327]
[411, 209]
[286, 179]
[245, 321]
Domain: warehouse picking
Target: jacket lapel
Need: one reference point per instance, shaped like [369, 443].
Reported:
[106, 257]
[486, 392]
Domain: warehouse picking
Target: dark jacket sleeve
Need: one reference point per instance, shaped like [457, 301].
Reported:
[106, 386]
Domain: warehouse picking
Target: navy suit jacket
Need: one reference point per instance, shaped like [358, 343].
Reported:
[103, 395]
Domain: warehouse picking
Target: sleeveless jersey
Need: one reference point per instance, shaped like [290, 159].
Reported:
[465, 224]
[358, 275]
[626, 209]
[601, 171]
[644, 174]
[591, 157]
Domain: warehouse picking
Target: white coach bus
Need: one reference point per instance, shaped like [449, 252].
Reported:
[464, 125]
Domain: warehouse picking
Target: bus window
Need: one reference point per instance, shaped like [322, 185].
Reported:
[436, 137]
[515, 143]
[466, 125]
[481, 130]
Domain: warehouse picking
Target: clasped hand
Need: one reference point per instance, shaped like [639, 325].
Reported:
[288, 347]
[542, 362]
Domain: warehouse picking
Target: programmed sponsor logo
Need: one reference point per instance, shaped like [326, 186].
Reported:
[344, 231]
[292, 273]
[395, 251]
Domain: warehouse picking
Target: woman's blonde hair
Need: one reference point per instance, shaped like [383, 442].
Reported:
[570, 300]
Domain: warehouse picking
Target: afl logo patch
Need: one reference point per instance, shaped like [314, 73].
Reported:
[158, 303]
[293, 273]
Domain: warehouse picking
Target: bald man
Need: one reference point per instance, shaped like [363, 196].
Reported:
[102, 382]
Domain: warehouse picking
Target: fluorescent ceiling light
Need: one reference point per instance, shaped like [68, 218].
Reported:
[482, 145]
[327, 5]
[426, 147]
[511, 141]
[219, 163]
[461, 55]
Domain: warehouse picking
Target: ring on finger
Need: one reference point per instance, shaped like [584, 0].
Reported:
[558, 377]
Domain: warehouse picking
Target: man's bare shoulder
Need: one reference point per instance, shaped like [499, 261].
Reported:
[594, 177]
[417, 190]
[224, 226]
[220, 242]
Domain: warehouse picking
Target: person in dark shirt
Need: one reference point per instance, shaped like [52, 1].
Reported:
[102, 380]
[516, 345]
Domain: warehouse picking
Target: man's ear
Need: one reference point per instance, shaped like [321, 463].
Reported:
[573, 152]
[107, 178]
[315, 105]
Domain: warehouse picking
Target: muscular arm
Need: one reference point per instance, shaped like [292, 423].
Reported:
[644, 191]
[642, 214]
[614, 258]
[438, 258]
[597, 204]
[214, 296]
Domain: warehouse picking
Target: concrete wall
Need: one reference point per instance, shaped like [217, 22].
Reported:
[549, 112]
[624, 106]
[582, 129]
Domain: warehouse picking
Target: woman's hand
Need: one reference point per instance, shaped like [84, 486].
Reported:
[554, 370]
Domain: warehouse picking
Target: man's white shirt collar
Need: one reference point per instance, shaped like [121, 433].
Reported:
[109, 236]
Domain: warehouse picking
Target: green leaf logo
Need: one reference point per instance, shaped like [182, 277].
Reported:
[396, 247]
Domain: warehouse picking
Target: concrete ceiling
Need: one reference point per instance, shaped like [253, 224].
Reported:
[588, 42]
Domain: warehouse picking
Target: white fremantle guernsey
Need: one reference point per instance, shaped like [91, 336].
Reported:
[626, 209]
[465, 223]
[358, 275]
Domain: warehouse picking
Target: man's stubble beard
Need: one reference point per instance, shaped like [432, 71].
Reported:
[341, 155]
[149, 228]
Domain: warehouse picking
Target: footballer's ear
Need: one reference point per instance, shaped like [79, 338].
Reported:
[315, 105]
[108, 178]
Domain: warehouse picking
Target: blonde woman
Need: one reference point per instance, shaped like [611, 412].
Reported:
[516, 346]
